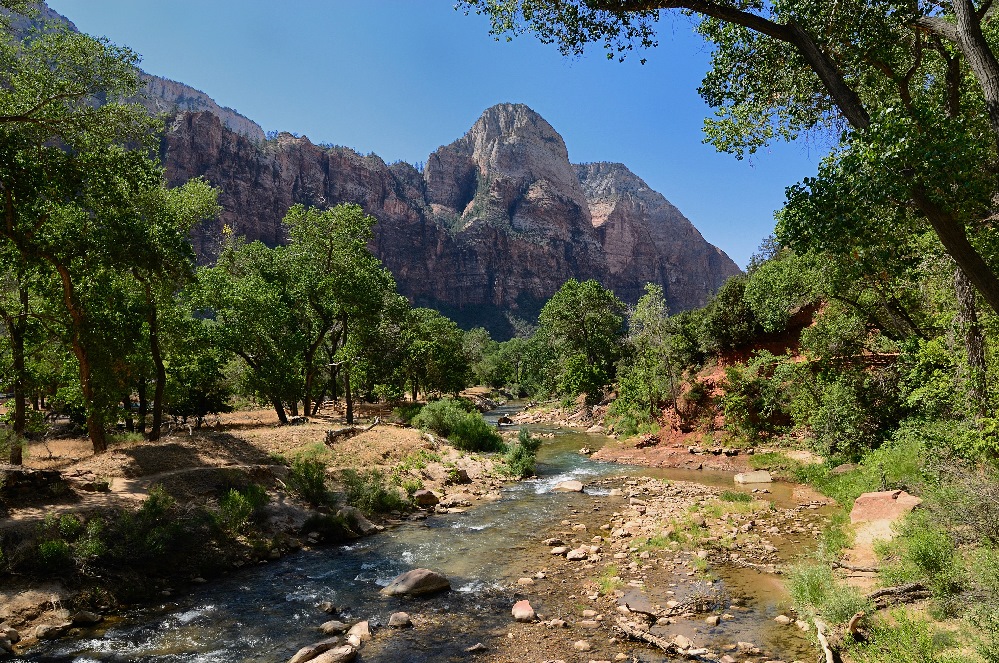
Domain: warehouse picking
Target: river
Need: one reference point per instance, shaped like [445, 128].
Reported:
[266, 613]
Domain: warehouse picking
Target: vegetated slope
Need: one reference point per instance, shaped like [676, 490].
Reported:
[497, 221]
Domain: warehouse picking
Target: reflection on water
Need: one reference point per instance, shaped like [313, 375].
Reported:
[266, 613]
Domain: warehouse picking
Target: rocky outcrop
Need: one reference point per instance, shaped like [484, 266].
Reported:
[496, 222]
[160, 95]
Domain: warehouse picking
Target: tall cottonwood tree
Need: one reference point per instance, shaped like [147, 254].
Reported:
[915, 82]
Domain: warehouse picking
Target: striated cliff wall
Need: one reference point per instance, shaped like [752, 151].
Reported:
[497, 221]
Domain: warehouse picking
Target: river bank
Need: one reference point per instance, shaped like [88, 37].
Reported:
[498, 553]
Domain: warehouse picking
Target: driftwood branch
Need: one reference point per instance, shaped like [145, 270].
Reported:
[850, 567]
[667, 646]
[853, 628]
[339, 434]
[908, 593]
[820, 628]
[763, 568]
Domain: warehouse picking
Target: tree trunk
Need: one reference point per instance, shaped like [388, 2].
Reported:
[974, 344]
[279, 408]
[349, 409]
[95, 425]
[20, 400]
[143, 404]
[293, 406]
[126, 403]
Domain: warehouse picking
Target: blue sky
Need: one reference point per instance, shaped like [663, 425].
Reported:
[401, 77]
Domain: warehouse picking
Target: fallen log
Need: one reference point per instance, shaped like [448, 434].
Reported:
[339, 434]
[667, 646]
[851, 567]
[909, 593]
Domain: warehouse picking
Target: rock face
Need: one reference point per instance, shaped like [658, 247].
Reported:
[494, 225]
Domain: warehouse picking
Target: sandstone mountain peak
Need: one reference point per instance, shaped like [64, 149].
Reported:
[495, 223]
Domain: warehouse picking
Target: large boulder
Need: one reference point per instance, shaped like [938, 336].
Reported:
[425, 497]
[886, 505]
[416, 583]
[572, 486]
[357, 521]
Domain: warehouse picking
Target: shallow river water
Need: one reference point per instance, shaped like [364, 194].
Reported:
[266, 613]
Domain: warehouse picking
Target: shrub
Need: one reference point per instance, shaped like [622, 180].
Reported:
[735, 496]
[814, 590]
[238, 507]
[465, 429]
[369, 492]
[520, 459]
[331, 528]
[307, 478]
[406, 413]
[904, 639]
[54, 555]
[923, 551]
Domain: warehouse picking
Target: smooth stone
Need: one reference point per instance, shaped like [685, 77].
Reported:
[86, 618]
[756, 476]
[712, 620]
[312, 651]
[333, 627]
[362, 630]
[783, 620]
[339, 655]
[355, 517]
[577, 555]
[50, 631]
[560, 550]
[400, 620]
[416, 583]
[568, 487]
[581, 645]
[425, 497]
[523, 612]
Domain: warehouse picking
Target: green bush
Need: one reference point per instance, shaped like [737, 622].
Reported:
[735, 496]
[307, 478]
[238, 507]
[331, 528]
[405, 413]
[902, 639]
[814, 589]
[521, 458]
[923, 551]
[54, 556]
[369, 492]
[465, 429]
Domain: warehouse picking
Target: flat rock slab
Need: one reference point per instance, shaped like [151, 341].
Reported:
[338, 655]
[312, 651]
[568, 487]
[757, 476]
[416, 583]
[887, 505]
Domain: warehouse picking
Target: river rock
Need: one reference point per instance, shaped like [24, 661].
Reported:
[712, 620]
[339, 655]
[357, 520]
[476, 648]
[581, 645]
[333, 627]
[400, 620]
[425, 497]
[757, 476]
[560, 550]
[6, 646]
[783, 620]
[361, 631]
[51, 631]
[568, 487]
[577, 554]
[85, 618]
[310, 652]
[523, 612]
[8, 633]
[416, 583]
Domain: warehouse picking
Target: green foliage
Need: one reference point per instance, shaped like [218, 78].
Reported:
[924, 552]
[814, 590]
[406, 413]
[735, 496]
[902, 638]
[465, 429]
[521, 458]
[577, 341]
[239, 507]
[307, 477]
[728, 321]
[369, 492]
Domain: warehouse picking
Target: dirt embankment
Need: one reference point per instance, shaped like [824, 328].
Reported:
[196, 468]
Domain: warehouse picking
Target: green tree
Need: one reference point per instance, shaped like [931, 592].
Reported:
[582, 326]
[435, 355]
